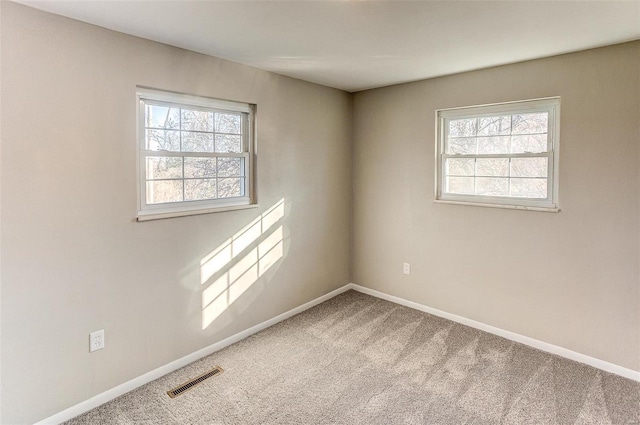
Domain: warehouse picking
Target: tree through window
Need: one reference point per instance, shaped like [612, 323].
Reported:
[195, 153]
[503, 154]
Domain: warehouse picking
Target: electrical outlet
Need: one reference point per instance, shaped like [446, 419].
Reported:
[96, 340]
[406, 268]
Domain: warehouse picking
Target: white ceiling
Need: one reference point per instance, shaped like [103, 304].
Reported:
[356, 45]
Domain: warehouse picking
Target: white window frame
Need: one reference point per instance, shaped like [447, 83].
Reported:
[183, 208]
[550, 105]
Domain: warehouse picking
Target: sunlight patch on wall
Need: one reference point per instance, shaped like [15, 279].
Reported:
[234, 266]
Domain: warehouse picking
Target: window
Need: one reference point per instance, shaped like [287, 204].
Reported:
[196, 155]
[502, 155]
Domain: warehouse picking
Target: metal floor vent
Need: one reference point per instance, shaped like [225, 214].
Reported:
[193, 382]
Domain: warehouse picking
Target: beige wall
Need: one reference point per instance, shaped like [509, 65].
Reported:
[73, 258]
[571, 278]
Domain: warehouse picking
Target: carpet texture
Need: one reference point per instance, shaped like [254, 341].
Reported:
[356, 359]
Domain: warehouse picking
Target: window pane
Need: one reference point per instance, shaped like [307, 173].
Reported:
[491, 186]
[199, 189]
[459, 185]
[533, 143]
[529, 167]
[227, 143]
[199, 167]
[460, 166]
[228, 123]
[529, 188]
[160, 191]
[161, 167]
[489, 145]
[492, 167]
[465, 145]
[162, 117]
[490, 126]
[228, 188]
[197, 120]
[504, 153]
[462, 128]
[197, 142]
[229, 167]
[530, 123]
[168, 140]
[195, 154]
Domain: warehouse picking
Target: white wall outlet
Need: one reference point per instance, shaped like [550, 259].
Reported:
[96, 340]
[406, 268]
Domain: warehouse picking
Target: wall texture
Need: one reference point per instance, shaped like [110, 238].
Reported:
[74, 259]
[570, 278]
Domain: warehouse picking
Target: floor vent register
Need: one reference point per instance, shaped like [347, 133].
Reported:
[180, 389]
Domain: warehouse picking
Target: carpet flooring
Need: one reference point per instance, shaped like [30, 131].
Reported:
[356, 359]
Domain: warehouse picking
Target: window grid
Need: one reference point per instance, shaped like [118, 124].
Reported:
[490, 133]
[508, 177]
[207, 178]
[196, 157]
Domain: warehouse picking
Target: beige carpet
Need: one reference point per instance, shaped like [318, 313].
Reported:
[356, 359]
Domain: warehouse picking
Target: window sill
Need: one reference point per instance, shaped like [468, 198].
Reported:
[504, 206]
[158, 215]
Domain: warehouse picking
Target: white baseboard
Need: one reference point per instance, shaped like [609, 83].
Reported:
[540, 345]
[124, 388]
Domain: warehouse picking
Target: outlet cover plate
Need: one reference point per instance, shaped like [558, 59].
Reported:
[96, 340]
